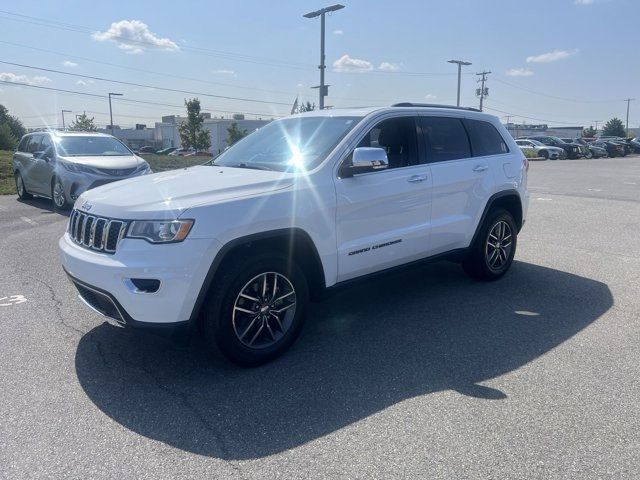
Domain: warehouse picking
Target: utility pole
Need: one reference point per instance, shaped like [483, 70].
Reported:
[460, 63]
[323, 90]
[69, 111]
[111, 111]
[597, 122]
[629, 100]
[482, 92]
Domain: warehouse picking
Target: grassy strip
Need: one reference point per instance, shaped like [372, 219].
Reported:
[159, 163]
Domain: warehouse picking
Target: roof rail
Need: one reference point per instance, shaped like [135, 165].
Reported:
[433, 105]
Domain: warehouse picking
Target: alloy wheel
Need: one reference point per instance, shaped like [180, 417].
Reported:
[264, 310]
[58, 194]
[499, 245]
[19, 185]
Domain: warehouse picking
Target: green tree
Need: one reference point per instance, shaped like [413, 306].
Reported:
[234, 133]
[14, 124]
[83, 124]
[306, 107]
[7, 140]
[589, 132]
[192, 135]
[614, 128]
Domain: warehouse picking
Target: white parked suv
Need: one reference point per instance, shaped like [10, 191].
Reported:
[237, 247]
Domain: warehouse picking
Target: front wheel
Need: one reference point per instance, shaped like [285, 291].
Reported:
[257, 308]
[492, 253]
[57, 194]
[544, 154]
[588, 154]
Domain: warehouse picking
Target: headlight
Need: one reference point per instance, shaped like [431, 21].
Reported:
[162, 231]
[74, 167]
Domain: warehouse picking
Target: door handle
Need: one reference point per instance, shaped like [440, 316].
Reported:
[480, 168]
[417, 178]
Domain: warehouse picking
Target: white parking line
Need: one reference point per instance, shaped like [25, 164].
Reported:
[29, 221]
[12, 300]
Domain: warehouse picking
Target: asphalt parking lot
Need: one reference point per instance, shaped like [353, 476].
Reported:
[432, 376]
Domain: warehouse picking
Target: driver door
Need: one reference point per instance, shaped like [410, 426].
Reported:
[383, 216]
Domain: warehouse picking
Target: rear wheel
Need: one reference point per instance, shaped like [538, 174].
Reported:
[588, 153]
[257, 309]
[20, 188]
[492, 253]
[58, 196]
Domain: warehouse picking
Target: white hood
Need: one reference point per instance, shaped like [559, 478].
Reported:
[167, 194]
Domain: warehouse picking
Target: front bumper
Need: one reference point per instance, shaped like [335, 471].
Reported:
[104, 280]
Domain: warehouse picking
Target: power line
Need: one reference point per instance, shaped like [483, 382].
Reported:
[513, 85]
[130, 100]
[142, 85]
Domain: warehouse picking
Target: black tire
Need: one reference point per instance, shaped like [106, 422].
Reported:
[544, 154]
[60, 203]
[223, 329]
[481, 261]
[588, 154]
[20, 188]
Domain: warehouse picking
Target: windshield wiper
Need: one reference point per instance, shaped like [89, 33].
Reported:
[253, 167]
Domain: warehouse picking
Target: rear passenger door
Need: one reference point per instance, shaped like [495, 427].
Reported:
[461, 182]
[27, 162]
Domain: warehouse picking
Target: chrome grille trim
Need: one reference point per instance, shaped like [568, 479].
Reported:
[83, 226]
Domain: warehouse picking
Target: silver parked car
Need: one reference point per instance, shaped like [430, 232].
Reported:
[62, 165]
[542, 150]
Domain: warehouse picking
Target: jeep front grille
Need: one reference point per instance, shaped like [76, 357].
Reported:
[97, 233]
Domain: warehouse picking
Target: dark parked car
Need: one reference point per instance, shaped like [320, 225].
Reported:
[582, 145]
[635, 144]
[621, 141]
[146, 149]
[596, 151]
[573, 151]
[613, 149]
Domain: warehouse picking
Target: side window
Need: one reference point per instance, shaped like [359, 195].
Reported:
[446, 139]
[397, 136]
[485, 139]
[22, 147]
[34, 143]
[46, 145]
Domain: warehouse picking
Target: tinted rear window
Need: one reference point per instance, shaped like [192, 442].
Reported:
[445, 139]
[485, 139]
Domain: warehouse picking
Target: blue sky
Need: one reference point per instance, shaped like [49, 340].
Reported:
[554, 61]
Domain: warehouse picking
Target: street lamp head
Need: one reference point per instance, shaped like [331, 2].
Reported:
[459, 62]
[67, 111]
[317, 13]
[115, 94]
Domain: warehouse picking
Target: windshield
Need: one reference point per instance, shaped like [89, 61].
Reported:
[537, 143]
[74, 146]
[299, 143]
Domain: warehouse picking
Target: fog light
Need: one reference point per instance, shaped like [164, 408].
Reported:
[145, 285]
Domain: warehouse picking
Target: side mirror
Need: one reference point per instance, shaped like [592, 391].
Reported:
[363, 160]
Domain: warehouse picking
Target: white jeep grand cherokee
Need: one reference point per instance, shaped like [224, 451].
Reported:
[239, 246]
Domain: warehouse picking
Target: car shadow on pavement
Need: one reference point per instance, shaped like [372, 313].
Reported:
[44, 205]
[366, 348]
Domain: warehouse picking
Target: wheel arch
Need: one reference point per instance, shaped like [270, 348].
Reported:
[293, 242]
[507, 199]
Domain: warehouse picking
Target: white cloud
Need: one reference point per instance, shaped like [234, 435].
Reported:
[69, 63]
[133, 36]
[389, 67]
[519, 72]
[552, 56]
[338, 32]
[224, 72]
[84, 82]
[430, 96]
[12, 77]
[347, 64]
[583, 2]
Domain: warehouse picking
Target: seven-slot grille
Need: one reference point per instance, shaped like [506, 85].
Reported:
[97, 233]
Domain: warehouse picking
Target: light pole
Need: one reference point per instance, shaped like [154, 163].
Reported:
[597, 122]
[629, 100]
[323, 90]
[111, 111]
[63, 112]
[460, 63]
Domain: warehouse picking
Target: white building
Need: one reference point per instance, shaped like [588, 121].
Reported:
[166, 132]
[524, 129]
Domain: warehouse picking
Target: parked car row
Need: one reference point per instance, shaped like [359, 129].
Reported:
[554, 148]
